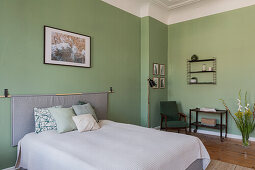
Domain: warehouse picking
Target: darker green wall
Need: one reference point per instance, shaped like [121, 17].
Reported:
[230, 37]
[115, 57]
[158, 54]
[153, 50]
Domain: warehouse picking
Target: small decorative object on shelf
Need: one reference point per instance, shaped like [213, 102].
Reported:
[209, 122]
[193, 80]
[194, 57]
[6, 93]
[210, 72]
[204, 67]
[244, 119]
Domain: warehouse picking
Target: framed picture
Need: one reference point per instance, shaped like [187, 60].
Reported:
[155, 79]
[162, 69]
[66, 48]
[155, 69]
[162, 83]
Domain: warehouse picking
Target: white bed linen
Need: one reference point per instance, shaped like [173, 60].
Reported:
[115, 146]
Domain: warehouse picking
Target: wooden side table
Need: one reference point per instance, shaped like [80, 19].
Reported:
[220, 126]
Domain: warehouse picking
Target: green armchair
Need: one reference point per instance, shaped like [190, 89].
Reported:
[171, 118]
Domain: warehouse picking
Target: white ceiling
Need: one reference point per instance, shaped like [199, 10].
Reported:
[174, 11]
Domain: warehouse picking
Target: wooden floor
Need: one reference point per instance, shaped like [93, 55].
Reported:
[219, 165]
[230, 151]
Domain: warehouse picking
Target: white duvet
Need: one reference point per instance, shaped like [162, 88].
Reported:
[116, 146]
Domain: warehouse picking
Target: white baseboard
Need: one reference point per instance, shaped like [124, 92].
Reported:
[207, 132]
[10, 168]
[233, 136]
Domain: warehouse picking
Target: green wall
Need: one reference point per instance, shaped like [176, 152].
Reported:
[158, 54]
[124, 48]
[145, 66]
[230, 37]
[153, 50]
[115, 57]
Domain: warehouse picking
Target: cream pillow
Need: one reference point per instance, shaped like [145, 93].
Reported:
[85, 122]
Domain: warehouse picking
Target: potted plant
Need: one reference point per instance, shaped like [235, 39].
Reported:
[244, 118]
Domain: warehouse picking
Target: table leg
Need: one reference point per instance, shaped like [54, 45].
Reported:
[189, 121]
[221, 127]
[226, 130]
[196, 122]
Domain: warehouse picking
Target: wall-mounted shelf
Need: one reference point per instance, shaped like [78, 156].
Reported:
[203, 83]
[212, 62]
[202, 71]
[195, 61]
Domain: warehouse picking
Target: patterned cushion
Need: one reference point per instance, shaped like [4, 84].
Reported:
[44, 120]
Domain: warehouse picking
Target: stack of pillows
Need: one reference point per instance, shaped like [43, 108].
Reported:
[81, 117]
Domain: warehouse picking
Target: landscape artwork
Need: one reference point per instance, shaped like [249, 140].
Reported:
[66, 48]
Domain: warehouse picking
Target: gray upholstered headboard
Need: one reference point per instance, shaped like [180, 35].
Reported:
[23, 115]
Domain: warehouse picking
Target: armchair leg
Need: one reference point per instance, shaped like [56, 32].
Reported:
[186, 131]
[178, 130]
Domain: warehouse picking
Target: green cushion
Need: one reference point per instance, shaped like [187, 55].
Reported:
[175, 124]
[63, 117]
[84, 109]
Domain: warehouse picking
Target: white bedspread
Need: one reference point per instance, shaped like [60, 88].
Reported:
[116, 146]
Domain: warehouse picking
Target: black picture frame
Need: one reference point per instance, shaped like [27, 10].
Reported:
[64, 63]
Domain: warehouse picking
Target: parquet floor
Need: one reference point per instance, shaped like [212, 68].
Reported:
[230, 151]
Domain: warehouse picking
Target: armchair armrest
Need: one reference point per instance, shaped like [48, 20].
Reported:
[182, 115]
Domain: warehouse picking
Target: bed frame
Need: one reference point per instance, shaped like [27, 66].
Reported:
[22, 108]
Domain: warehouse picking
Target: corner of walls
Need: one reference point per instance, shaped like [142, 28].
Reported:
[153, 50]
[226, 36]
[145, 55]
[158, 54]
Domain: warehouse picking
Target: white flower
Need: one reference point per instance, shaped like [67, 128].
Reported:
[239, 105]
[247, 107]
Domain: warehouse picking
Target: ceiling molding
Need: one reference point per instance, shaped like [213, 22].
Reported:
[205, 8]
[171, 4]
[171, 12]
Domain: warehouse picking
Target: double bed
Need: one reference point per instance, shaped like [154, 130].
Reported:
[115, 146]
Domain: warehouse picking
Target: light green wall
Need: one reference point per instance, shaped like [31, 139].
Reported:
[115, 57]
[153, 50]
[230, 37]
[124, 47]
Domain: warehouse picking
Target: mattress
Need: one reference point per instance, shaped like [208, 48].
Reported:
[115, 146]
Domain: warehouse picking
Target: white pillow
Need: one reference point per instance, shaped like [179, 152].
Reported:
[85, 122]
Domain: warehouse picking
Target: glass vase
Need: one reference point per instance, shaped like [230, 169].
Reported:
[245, 139]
